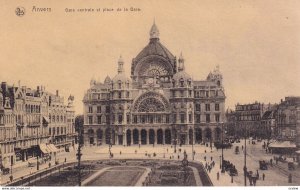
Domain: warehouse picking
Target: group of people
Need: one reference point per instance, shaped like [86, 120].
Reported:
[209, 165]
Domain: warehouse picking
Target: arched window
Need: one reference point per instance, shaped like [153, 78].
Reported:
[181, 82]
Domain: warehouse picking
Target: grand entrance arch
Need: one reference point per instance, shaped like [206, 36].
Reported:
[198, 134]
[208, 135]
[218, 133]
[191, 136]
[151, 136]
[159, 136]
[108, 136]
[128, 137]
[99, 136]
[135, 136]
[168, 137]
[143, 136]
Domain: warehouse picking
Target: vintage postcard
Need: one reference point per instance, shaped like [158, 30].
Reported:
[149, 93]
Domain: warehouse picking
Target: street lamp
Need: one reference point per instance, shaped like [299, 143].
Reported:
[37, 163]
[245, 163]
[79, 154]
[193, 146]
[223, 170]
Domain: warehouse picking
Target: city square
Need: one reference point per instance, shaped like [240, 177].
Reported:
[158, 101]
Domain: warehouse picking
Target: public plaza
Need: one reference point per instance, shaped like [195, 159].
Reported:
[275, 175]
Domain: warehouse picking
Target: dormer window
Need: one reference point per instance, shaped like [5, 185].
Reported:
[119, 84]
[181, 82]
[189, 82]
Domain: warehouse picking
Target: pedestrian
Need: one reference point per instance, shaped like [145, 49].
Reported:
[263, 176]
[254, 181]
[271, 162]
[211, 158]
[204, 151]
[204, 158]
[257, 174]
[120, 152]
[218, 175]
[242, 147]
[290, 178]
[178, 156]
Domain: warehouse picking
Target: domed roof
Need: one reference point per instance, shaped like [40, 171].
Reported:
[155, 47]
[121, 77]
[181, 70]
[121, 74]
[182, 74]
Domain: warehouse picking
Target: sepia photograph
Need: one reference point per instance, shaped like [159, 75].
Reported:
[150, 94]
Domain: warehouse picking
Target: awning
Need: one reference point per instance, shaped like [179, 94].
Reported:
[52, 147]
[284, 144]
[44, 148]
[46, 119]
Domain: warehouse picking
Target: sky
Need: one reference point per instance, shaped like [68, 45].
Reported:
[255, 43]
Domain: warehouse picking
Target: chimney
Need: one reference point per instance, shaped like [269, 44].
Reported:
[57, 92]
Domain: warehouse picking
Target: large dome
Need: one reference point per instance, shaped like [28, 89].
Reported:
[155, 48]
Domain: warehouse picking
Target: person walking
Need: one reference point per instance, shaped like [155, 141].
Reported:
[218, 175]
[263, 176]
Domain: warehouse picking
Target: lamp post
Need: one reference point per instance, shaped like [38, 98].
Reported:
[11, 164]
[193, 146]
[245, 162]
[220, 162]
[37, 163]
[79, 154]
[223, 170]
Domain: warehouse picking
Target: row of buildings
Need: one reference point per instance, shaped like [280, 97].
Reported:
[278, 121]
[160, 103]
[33, 122]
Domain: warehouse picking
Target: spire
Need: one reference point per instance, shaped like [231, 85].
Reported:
[181, 63]
[120, 65]
[154, 32]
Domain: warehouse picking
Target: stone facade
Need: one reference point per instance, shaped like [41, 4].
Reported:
[159, 104]
[26, 123]
[286, 118]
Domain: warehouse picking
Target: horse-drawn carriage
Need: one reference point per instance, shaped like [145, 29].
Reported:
[5, 170]
[263, 165]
